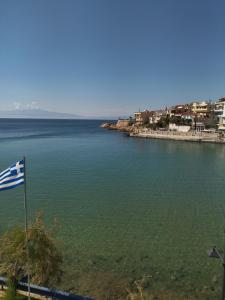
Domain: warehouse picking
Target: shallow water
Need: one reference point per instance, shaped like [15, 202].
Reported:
[132, 206]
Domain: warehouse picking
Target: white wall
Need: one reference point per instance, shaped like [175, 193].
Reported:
[180, 128]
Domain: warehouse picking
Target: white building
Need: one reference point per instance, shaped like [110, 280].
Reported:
[218, 109]
[221, 125]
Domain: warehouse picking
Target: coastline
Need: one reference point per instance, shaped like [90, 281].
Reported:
[199, 137]
[167, 135]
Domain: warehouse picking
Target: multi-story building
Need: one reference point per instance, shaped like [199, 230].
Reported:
[142, 117]
[221, 124]
[178, 110]
[218, 109]
[155, 116]
[202, 109]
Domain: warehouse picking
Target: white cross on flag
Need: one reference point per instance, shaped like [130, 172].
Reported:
[12, 177]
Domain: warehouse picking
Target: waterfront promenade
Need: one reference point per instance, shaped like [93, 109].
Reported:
[179, 136]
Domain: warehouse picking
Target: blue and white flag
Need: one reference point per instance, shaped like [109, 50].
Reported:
[12, 177]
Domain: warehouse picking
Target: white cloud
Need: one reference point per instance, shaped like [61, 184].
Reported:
[32, 105]
[25, 106]
[17, 105]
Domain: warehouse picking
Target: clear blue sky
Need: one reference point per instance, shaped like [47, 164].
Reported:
[110, 57]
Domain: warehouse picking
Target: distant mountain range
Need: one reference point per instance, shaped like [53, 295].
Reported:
[37, 114]
[44, 114]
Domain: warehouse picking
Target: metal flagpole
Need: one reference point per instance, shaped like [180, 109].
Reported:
[26, 225]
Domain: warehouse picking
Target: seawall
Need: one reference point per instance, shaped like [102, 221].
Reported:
[200, 138]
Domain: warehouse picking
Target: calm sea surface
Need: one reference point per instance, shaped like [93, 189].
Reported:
[131, 206]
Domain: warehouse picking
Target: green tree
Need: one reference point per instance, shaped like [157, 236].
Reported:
[163, 122]
[45, 259]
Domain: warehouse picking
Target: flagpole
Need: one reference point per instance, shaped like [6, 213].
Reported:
[26, 225]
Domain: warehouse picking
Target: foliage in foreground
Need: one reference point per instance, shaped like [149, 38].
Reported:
[45, 260]
[10, 293]
[103, 285]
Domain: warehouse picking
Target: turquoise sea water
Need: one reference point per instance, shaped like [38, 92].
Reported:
[131, 206]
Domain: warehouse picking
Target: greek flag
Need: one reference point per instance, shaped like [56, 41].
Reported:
[12, 177]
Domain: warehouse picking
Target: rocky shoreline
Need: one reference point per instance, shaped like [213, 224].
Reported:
[115, 126]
